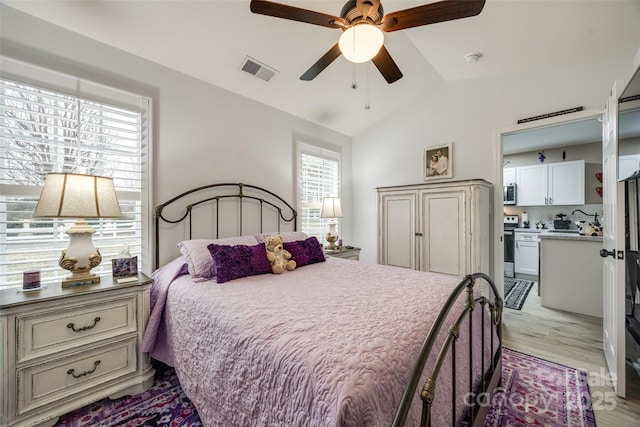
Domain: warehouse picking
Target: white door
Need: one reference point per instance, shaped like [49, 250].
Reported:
[613, 246]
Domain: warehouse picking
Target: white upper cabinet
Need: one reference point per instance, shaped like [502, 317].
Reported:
[531, 184]
[551, 184]
[627, 165]
[566, 183]
[508, 176]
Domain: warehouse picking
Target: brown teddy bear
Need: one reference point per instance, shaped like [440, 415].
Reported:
[278, 256]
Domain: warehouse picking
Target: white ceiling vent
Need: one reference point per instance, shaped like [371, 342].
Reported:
[258, 69]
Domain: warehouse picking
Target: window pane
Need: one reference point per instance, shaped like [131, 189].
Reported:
[318, 177]
[42, 131]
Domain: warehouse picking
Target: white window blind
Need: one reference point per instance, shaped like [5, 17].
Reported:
[318, 177]
[45, 131]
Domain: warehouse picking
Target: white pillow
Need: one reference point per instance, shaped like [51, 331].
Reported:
[199, 260]
[287, 236]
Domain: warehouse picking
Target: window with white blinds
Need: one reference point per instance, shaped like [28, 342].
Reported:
[45, 131]
[318, 177]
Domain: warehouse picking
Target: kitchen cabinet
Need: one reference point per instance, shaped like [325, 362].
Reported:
[627, 165]
[508, 176]
[551, 184]
[571, 273]
[444, 227]
[526, 253]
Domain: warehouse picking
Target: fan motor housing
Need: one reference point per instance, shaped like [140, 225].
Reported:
[350, 13]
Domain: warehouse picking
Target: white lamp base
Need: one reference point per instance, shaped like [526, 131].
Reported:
[81, 256]
[332, 235]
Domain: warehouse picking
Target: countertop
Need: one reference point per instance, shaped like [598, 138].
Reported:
[571, 234]
[560, 235]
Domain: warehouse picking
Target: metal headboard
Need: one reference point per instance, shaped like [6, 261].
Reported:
[285, 211]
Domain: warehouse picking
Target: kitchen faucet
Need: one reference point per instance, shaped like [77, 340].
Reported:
[595, 216]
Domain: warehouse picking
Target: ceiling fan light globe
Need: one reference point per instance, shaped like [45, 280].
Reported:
[361, 43]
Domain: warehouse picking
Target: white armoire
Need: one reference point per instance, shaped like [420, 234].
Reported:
[443, 227]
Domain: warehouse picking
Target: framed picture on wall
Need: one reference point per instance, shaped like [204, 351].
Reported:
[438, 161]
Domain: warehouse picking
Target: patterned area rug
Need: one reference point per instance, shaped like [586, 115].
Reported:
[163, 405]
[535, 392]
[515, 292]
[541, 393]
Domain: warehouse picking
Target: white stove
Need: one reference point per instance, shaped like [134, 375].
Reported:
[510, 224]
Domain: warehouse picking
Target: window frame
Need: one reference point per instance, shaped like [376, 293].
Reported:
[323, 151]
[43, 78]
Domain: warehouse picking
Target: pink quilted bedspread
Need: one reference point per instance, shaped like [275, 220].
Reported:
[329, 344]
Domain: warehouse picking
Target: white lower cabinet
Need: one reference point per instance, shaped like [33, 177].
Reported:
[66, 348]
[443, 227]
[526, 253]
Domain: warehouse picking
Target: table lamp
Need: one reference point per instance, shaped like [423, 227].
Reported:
[70, 195]
[331, 209]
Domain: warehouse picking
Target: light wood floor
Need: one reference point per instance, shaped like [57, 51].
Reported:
[572, 340]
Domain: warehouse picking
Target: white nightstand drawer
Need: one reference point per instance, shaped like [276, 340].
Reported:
[47, 382]
[51, 332]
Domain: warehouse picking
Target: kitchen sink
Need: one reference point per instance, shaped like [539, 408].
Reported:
[564, 231]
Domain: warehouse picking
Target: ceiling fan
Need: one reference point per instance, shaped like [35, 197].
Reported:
[363, 22]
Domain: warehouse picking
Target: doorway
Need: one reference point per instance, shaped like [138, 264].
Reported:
[524, 144]
[629, 149]
[562, 138]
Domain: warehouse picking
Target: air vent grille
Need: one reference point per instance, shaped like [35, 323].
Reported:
[258, 69]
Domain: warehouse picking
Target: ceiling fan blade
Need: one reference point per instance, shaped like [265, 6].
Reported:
[322, 63]
[431, 13]
[296, 14]
[387, 66]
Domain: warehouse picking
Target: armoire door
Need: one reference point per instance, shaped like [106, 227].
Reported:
[397, 228]
[443, 228]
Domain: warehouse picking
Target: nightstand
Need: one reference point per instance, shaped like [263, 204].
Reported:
[344, 253]
[69, 347]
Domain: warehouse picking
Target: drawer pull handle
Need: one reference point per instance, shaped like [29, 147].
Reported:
[72, 371]
[84, 328]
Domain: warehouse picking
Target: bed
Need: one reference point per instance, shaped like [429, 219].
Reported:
[333, 343]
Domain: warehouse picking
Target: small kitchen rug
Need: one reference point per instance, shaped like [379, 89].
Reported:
[541, 393]
[515, 292]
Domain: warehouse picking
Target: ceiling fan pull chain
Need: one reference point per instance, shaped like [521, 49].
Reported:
[354, 84]
[367, 105]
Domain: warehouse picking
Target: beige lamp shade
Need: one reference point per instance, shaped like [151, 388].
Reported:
[331, 208]
[69, 195]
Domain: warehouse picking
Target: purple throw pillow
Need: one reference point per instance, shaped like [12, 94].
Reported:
[303, 252]
[234, 262]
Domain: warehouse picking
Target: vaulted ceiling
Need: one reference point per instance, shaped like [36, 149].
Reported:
[210, 39]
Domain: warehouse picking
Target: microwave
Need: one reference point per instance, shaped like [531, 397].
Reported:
[509, 194]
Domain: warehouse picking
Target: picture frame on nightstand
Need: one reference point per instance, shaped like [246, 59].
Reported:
[124, 267]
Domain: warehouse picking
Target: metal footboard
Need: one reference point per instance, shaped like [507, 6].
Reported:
[490, 369]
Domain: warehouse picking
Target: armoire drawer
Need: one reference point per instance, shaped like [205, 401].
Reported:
[50, 332]
[48, 382]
